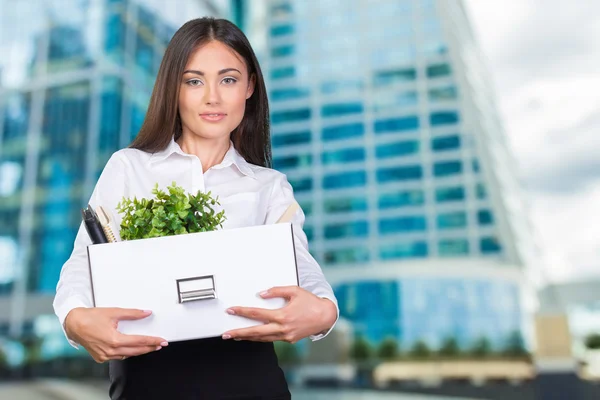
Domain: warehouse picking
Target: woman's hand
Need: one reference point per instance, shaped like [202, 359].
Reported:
[304, 315]
[96, 330]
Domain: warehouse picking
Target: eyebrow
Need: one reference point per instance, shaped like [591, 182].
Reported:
[221, 72]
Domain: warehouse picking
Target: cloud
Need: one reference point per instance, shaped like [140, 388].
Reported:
[570, 163]
[544, 59]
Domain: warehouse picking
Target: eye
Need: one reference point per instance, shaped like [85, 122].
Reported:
[229, 81]
[194, 82]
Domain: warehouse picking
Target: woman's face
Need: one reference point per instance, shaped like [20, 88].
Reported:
[214, 88]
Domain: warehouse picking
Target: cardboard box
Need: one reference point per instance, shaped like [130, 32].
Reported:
[189, 281]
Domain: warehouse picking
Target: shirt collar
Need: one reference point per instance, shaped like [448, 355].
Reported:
[231, 157]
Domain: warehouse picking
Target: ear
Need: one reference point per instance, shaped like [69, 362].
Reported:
[251, 85]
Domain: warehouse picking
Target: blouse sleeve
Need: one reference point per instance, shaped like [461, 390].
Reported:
[310, 275]
[74, 286]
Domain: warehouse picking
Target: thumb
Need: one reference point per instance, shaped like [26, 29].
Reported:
[280, 291]
[130, 313]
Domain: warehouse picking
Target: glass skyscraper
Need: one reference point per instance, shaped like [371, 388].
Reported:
[75, 81]
[384, 121]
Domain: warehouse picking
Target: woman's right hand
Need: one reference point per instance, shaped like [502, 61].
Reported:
[96, 330]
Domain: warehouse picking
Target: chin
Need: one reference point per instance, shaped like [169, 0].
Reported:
[211, 132]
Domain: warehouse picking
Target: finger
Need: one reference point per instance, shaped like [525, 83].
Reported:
[258, 314]
[287, 292]
[120, 352]
[255, 331]
[139, 340]
[128, 314]
[268, 338]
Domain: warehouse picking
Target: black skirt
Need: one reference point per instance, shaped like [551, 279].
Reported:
[201, 369]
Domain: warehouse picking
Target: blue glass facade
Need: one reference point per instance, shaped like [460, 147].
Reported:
[393, 153]
[432, 309]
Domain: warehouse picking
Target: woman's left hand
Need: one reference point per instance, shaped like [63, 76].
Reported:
[305, 314]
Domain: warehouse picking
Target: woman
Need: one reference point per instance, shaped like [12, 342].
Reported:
[206, 129]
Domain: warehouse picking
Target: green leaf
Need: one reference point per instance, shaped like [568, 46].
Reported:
[170, 212]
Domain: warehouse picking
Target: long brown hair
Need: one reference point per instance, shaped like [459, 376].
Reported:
[251, 138]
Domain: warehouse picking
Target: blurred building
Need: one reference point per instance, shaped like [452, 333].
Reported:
[384, 121]
[75, 80]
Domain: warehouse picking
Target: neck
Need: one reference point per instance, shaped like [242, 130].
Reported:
[210, 151]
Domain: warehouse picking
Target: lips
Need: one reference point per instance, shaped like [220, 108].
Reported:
[212, 117]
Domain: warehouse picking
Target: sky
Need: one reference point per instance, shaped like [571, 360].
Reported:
[544, 57]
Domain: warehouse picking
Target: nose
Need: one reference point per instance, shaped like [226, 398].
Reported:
[211, 95]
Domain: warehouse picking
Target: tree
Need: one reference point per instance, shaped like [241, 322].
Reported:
[287, 353]
[515, 345]
[361, 350]
[420, 350]
[482, 347]
[3, 360]
[592, 341]
[449, 348]
[388, 349]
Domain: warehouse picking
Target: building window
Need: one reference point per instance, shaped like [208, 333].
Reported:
[443, 93]
[345, 204]
[437, 70]
[335, 110]
[281, 10]
[282, 30]
[343, 156]
[476, 168]
[341, 132]
[345, 180]
[453, 247]
[485, 217]
[444, 143]
[452, 220]
[297, 161]
[481, 191]
[391, 100]
[283, 73]
[489, 245]
[347, 230]
[403, 250]
[434, 48]
[290, 139]
[396, 124]
[446, 194]
[341, 86]
[347, 256]
[402, 224]
[408, 173]
[397, 149]
[291, 116]
[401, 199]
[443, 118]
[289, 94]
[302, 184]
[283, 51]
[447, 168]
[389, 77]
[307, 207]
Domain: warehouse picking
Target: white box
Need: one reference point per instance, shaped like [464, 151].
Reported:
[177, 276]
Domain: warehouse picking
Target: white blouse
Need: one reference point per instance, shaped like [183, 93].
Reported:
[249, 194]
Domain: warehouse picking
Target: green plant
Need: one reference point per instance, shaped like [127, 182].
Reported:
[168, 214]
[482, 347]
[361, 350]
[515, 345]
[388, 349]
[420, 350]
[449, 348]
[592, 341]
